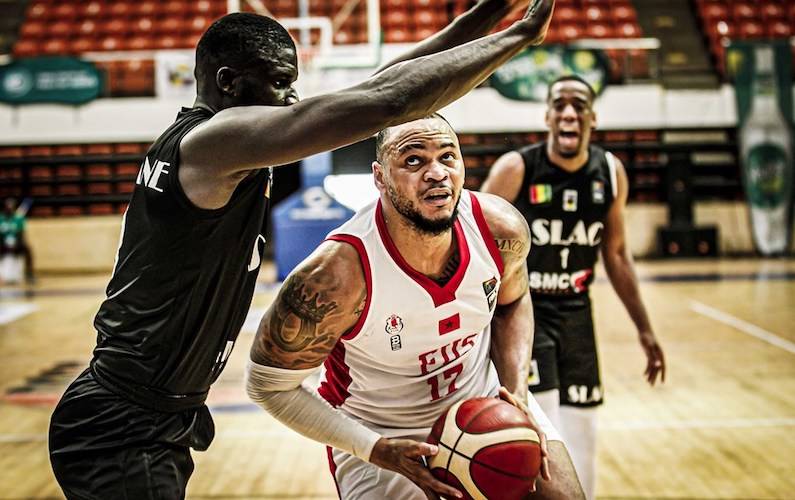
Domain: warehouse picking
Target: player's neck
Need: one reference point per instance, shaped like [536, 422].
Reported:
[569, 164]
[427, 254]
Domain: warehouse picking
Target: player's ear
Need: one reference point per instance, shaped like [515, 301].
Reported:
[547, 121]
[378, 175]
[225, 80]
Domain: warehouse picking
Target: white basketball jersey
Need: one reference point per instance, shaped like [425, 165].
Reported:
[418, 347]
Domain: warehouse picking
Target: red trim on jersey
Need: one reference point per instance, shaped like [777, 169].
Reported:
[356, 243]
[440, 294]
[488, 238]
[333, 468]
[338, 377]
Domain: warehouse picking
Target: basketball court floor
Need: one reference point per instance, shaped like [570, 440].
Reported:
[721, 427]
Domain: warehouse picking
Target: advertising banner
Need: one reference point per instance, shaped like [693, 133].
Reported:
[762, 75]
[527, 75]
[49, 79]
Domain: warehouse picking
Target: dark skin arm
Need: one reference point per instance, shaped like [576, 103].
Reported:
[472, 24]
[243, 138]
[320, 301]
[621, 272]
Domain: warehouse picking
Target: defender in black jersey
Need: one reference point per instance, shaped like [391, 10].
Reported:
[573, 196]
[192, 237]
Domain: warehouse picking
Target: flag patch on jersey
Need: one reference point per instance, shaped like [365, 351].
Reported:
[569, 200]
[540, 193]
[450, 324]
[490, 289]
[598, 192]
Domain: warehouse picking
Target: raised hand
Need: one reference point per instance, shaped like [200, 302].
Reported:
[537, 19]
[407, 457]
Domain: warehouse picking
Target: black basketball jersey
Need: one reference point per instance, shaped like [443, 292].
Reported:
[182, 283]
[566, 213]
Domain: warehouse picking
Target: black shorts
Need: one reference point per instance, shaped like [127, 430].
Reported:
[564, 351]
[103, 446]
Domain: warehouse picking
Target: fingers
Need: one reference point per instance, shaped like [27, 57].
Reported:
[410, 461]
[416, 452]
[545, 471]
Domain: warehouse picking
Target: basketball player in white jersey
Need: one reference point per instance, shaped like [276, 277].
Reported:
[419, 301]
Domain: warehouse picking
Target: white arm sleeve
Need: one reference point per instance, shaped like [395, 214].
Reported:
[281, 393]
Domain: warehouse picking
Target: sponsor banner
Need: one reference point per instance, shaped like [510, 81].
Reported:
[49, 79]
[527, 76]
[174, 74]
[762, 73]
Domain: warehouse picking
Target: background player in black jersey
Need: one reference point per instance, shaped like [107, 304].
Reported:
[573, 195]
[192, 235]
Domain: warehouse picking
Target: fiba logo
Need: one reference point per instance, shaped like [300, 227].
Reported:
[18, 83]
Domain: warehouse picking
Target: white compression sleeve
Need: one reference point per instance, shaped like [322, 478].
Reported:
[281, 393]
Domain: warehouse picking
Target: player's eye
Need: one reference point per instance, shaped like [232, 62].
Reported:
[413, 161]
[449, 156]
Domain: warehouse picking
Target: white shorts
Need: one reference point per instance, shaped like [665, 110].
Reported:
[360, 480]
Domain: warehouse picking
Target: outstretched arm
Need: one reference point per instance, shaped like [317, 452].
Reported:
[621, 272]
[320, 301]
[249, 137]
[472, 24]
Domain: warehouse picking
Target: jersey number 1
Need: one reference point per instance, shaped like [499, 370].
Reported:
[564, 258]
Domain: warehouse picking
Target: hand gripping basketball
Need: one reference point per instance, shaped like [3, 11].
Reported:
[487, 449]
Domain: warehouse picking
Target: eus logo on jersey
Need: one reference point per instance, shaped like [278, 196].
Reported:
[394, 324]
[149, 175]
[490, 289]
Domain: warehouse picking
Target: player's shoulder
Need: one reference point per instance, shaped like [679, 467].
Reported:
[503, 219]
[333, 268]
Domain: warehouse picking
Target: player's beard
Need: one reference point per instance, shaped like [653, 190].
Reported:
[431, 227]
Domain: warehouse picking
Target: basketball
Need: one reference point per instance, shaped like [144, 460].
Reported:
[487, 449]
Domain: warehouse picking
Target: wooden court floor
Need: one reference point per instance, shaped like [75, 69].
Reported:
[721, 427]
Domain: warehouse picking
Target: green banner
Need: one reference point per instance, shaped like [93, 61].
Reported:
[762, 74]
[49, 79]
[527, 75]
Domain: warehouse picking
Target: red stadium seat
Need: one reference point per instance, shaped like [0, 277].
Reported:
[396, 19]
[751, 29]
[138, 42]
[596, 13]
[628, 30]
[26, 48]
[33, 30]
[395, 34]
[715, 11]
[67, 150]
[99, 170]
[38, 151]
[171, 26]
[93, 10]
[110, 43]
[199, 24]
[144, 26]
[87, 28]
[743, 10]
[146, 8]
[65, 11]
[567, 14]
[116, 27]
[599, 30]
[82, 44]
[121, 10]
[624, 13]
[780, 29]
[571, 31]
[773, 11]
[174, 8]
[55, 46]
[39, 11]
[98, 149]
[424, 32]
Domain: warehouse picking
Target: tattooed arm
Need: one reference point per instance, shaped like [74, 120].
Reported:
[320, 301]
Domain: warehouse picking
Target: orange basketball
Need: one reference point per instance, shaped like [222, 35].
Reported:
[487, 449]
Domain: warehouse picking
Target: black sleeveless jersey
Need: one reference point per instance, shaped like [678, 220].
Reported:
[182, 283]
[566, 213]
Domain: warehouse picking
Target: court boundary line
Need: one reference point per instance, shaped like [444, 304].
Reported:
[743, 326]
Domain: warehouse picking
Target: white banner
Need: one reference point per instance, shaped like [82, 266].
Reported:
[174, 75]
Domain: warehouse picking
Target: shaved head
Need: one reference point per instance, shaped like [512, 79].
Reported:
[385, 139]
